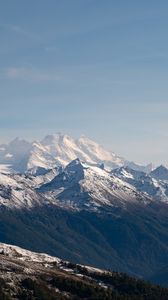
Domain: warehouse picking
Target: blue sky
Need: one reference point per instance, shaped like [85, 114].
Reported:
[92, 67]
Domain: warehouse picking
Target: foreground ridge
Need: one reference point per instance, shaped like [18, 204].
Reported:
[29, 275]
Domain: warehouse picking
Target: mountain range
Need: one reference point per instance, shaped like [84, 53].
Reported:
[75, 200]
[59, 150]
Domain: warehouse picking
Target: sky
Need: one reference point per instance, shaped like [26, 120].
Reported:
[92, 67]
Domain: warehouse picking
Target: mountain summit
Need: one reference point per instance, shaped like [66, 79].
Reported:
[59, 150]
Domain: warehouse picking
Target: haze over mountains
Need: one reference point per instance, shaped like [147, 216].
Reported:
[59, 150]
[76, 200]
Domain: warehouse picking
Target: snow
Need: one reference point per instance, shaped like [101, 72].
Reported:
[81, 186]
[31, 263]
[82, 182]
[8, 155]
[5, 168]
[17, 191]
[146, 183]
[26, 255]
[97, 152]
[127, 174]
[7, 180]
[29, 256]
[57, 150]
[92, 269]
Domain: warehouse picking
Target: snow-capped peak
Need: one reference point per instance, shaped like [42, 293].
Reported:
[80, 185]
[76, 165]
[155, 184]
[55, 139]
[97, 153]
[58, 150]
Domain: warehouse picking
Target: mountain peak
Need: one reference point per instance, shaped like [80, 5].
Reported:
[76, 166]
[86, 139]
[160, 173]
[19, 142]
[75, 162]
[55, 138]
[162, 167]
[59, 149]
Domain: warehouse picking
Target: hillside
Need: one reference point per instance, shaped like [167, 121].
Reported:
[34, 276]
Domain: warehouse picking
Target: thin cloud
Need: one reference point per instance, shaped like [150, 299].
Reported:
[19, 31]
[29, 74]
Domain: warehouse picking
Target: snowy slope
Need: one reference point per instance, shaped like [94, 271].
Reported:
[5, 169]
[80, 185]
[26, 255]
[17, 191]
[12, 251]
[58, 150]
[39, 176]
[24, 273]
[66, 149]
[157, 189]
[39, 156]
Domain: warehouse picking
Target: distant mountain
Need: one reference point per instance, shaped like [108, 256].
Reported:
[16, 154]
[58, 150]
[77, 186]
[143, 182]
[67, 149]
[132, 165]
[160, 173]
[18, 191]
[83, 186]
